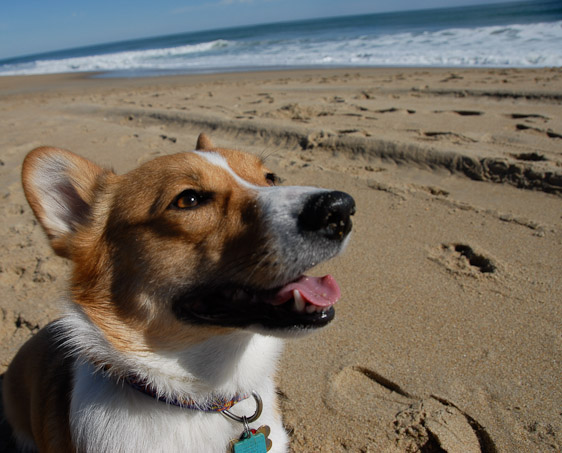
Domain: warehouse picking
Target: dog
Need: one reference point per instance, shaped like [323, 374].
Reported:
[188, 274]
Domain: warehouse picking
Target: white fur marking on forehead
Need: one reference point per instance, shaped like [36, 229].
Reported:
[219, 161]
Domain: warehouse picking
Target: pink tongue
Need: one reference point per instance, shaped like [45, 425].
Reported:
[319, 291]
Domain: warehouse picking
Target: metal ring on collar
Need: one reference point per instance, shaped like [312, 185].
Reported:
[253, 418]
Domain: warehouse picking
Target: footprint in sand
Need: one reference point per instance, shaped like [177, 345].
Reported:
[394, 109]
[451, 76]
[523, 116]
[433, 190]
[267, 97]
[427, 425]
[379, 394]
[462, 259]
[468, 112]
[548, 132]
[451, 136]
[530, 157]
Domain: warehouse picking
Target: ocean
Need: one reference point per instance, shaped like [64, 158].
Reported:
[519, 34]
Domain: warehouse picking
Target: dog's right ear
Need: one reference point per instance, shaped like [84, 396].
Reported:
[204, 143]
[59, 186]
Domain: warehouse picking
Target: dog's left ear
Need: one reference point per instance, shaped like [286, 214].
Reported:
[60, 188]
[204, 143]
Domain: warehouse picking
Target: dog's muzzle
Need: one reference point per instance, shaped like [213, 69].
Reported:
[305, 227]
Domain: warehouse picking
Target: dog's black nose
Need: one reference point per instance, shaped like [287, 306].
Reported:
[329, 214]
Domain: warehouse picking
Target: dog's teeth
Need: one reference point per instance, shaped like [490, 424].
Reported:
[299, 301]
[310, 309]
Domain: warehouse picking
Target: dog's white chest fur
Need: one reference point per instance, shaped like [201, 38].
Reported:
[110, 416]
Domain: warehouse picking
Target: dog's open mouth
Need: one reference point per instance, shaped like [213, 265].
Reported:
[306, 302]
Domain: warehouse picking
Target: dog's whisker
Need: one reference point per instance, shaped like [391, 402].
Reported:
[266, 154]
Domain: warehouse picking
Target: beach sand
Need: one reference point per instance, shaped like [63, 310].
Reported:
[448, 336]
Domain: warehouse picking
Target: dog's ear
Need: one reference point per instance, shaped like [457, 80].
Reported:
[59, 186]
[204, 143]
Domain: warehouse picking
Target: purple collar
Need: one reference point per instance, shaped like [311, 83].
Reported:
[217, 404]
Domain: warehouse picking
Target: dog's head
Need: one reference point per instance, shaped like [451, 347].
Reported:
[202, 241]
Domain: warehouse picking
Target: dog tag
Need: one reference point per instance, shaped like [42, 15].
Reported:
[255, 441]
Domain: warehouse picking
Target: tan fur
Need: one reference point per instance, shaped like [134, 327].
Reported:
[153, 242]
[126, 208]
[136, 252]
[85, 175]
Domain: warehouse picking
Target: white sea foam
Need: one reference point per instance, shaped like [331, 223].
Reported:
[529, 45]
[120, 61]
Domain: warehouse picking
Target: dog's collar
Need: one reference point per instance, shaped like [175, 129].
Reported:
[217, 404]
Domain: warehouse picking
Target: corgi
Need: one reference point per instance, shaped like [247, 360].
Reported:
[188, 274]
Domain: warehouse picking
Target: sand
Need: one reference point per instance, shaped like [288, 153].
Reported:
[448, 336]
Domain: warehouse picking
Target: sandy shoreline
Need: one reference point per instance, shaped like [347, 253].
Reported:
[449, 330]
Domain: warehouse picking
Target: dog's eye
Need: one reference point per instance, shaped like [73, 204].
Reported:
[271, 178]
[188, 199]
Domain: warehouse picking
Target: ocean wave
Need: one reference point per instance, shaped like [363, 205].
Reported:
[118, 61]
[523, 45]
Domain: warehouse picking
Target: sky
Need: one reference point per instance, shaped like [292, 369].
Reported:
[37, 26]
